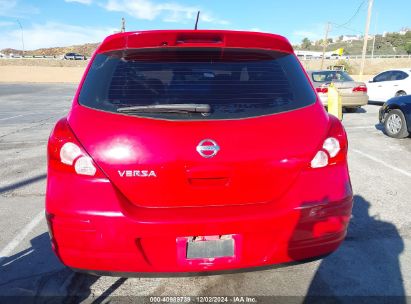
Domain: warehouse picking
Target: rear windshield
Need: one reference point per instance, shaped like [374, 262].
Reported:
[331, 76]
[233, 83]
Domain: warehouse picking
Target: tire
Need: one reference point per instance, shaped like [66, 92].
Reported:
[400, 93]
[351, 110]
[395, 125]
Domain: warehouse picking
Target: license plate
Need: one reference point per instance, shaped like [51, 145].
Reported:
[210, 247]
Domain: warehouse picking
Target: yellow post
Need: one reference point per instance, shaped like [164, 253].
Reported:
[334, 102]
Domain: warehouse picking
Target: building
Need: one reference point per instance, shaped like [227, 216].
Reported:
[349, 38]
[404, 30]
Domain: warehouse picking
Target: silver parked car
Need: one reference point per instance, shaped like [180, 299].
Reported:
[74, 56]
[353, 93]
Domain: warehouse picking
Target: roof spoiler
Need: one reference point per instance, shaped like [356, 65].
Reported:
[195, 38]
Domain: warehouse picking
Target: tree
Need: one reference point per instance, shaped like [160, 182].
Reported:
[408, 48]
[306, 43]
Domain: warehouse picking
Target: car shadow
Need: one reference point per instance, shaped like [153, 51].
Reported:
[36, 275]
[22, 183]
[375, 103]
[366, 264]
[379, 126]
[358, 111]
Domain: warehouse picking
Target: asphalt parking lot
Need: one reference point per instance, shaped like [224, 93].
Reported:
[374, 260]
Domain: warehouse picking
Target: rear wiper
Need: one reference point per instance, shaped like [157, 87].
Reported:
[167, 108]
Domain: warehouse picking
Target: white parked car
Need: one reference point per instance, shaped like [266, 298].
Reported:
[389, 84]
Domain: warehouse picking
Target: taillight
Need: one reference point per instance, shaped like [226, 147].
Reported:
[334, 147]
[84, 165]
[69, 152]
[65, 153]
[320, 160]
[322, 90]
[360, 88]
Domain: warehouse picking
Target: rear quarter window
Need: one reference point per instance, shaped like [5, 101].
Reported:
[330, 76]
[398, 75]
[235, 83]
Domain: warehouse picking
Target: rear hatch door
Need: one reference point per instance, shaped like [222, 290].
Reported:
[264, 120]
[156, 163]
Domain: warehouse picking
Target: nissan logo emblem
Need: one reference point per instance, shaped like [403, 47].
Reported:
[207, 148]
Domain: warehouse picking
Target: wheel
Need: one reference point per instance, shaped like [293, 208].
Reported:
[400, 93]
[351, 110]
[395, 124]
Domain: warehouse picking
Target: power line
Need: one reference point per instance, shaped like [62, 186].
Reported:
[344, 25]
[352, 17]
[347, 28]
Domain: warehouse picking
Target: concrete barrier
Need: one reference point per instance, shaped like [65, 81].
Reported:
[54, 70]
[40, 74]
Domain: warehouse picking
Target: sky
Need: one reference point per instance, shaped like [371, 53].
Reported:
[51, 23]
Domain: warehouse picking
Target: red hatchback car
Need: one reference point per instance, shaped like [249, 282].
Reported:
[188, 151]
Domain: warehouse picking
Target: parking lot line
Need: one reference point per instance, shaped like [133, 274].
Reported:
[34, 113]
[11, 117]
[360, 127]
[16, 241]
[404, 172]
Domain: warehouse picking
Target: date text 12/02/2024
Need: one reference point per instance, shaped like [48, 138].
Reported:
[199, 299]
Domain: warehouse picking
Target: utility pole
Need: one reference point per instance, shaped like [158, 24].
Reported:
[373, 46]
[375, 34]
[327, 30]
[367, 28]
[22, 35]
[123, 25]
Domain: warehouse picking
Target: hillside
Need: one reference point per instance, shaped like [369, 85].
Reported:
[85, 49]
[391, 44]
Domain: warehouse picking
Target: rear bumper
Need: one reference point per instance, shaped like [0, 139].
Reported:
[195, 273]
[108, 234]
[347, 100]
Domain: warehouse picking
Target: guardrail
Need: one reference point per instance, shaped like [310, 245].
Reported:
[310, 57]
[36, 57]
[378, 56]
[302, 57]
[30, 57]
